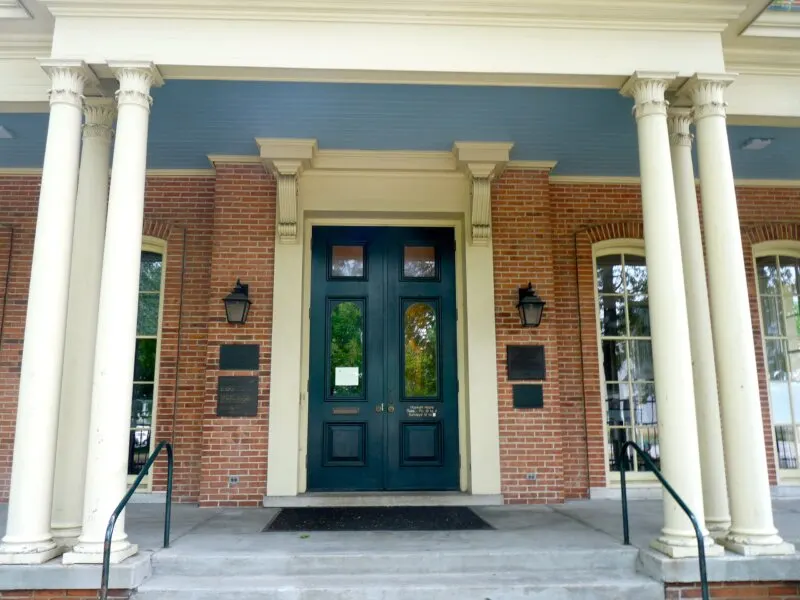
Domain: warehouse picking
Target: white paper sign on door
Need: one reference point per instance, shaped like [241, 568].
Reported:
[346, 377]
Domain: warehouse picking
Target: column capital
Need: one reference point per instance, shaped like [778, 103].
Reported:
[135, 80]
[69, 79]
[679, 121]
[647, 88]
[707, 92]
[99, 114]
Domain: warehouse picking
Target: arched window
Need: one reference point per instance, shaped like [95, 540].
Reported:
[626, 355]
[778, 275]
[145, 371]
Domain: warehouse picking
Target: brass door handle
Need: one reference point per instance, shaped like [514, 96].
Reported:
[391, 408]
[379, 408]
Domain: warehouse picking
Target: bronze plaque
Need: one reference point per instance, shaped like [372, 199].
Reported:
[346, 410]
[422, 411]
[237, 396]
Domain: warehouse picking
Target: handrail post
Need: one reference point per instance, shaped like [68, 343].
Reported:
[102, 593]
[622, 459]
[624, 490]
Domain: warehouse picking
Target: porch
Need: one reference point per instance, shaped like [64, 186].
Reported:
[575, 548]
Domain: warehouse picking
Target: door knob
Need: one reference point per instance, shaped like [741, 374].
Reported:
[391, 408]
[379, 408]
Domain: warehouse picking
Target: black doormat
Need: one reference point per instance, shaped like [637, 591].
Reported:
[378, 518]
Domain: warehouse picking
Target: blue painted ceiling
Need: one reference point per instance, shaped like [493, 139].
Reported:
[589, 132]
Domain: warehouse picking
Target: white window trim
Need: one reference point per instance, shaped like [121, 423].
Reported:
[157, 245]
[763, 249]
[615, 246]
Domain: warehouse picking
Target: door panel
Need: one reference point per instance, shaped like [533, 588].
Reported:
[383, 397]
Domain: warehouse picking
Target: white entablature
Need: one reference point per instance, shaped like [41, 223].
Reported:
[695, 15]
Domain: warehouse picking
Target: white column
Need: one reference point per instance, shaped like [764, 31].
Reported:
[28, 538]
[672, 361]
[752, 529]
[107, 463]
[709, 428]
[84, 296]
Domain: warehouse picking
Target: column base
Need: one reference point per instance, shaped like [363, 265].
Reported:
[66, 535]
[92, 554]
[718, 530]
[13, 553]
[684, 548]
[755, 545]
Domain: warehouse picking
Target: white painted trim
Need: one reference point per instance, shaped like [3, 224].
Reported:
[611, 180]
[759, 250]
[25, 45]
[775, 24]
[711, 15]
[602, 248]
[157, 245]
[180, 173]
[381, 198]
[239, 159]
[532, 165]
[13, 9]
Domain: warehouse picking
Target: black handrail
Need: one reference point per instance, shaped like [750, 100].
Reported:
[103, 594]
[622, 460]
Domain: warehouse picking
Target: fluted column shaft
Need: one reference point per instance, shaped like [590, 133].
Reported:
[672, 360]
[107, 465]
[752, 529]
[84, 296]
[28, 538]
[709, 428]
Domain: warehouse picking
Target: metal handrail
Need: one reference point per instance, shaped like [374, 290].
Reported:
[622, 460]
[103, 593]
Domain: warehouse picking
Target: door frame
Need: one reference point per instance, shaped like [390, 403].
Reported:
[306, 343]
[371, 192]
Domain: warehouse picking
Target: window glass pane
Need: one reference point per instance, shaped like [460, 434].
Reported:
[347, 261]
[635, 274]
[144, 366]
[644, 396]
[612, 316]
[786, 443]
[767, 275]
[142, 408]
[609, 274]
[788, 266]
[419, 262]
[347, 349]
[618, 408]
[147, 319]
[421, 351]
[150, 272]
[617, 436]
[614, 360]
[647, 438]
[776, 360]
[641, 360]
[639, 315]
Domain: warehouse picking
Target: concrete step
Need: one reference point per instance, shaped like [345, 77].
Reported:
[358, 562]
[545, 585]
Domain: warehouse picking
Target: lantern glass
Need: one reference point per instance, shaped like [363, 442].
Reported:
[531, 307]
[237, 304]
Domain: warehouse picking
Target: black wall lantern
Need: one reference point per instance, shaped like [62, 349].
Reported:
[237, 304]
[530, 307]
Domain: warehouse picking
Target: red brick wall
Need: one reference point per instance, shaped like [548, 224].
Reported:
[542, 232]
[775, 590]
[243, 248]
[19, 197]
[530, 440]
[181, 211]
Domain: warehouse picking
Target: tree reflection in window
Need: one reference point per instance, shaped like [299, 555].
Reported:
[421, 351]
[347, 346]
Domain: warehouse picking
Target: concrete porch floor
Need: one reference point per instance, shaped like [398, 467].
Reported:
[594, 526]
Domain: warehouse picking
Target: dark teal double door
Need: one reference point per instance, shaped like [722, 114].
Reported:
[383, 388]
